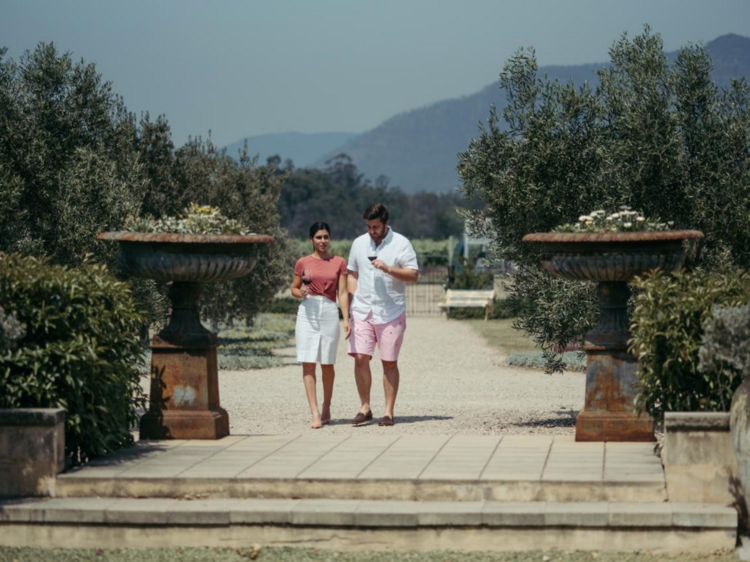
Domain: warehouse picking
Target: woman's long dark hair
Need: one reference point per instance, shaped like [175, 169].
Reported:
[316, 226]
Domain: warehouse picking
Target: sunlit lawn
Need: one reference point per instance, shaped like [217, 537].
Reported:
[501, 335]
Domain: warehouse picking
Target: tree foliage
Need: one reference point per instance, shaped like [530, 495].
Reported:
[660, 138]
[339, 194]
[74, 162]
[67, 168]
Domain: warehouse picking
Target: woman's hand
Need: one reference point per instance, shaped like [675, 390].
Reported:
[347, 329]
[304, 291]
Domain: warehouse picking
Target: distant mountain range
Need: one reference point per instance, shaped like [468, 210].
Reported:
[418, 149]
[303, 148]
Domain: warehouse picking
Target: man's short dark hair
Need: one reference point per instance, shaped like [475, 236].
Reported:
[376, 211]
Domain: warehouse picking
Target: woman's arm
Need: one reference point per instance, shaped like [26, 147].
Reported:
[344, 302]
[351, 283]
[299, 291]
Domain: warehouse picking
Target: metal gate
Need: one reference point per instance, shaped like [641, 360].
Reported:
[423, 297]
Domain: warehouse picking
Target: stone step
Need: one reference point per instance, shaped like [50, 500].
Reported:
[370, 525]
[377, 467]
[562, 490]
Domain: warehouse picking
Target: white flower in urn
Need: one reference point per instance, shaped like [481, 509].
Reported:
[623, 220]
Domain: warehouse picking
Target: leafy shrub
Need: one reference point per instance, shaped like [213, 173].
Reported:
[554, 312]
[670, 312]
[575, 361]
[469, 277]
[725, 350]
[247, 363]
[284, 305]
[80, 351]
[11, 330]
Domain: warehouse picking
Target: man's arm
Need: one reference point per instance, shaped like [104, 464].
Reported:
[404, 274]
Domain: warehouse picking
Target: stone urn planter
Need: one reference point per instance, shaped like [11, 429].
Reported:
[611, 260]
[184, 398]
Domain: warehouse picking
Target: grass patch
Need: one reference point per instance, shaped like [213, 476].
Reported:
[520, 348]
[296, 554]
[501, 335]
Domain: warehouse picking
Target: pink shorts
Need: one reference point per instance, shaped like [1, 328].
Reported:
[365, 335]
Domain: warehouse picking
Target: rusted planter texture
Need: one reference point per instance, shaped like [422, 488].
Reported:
[611, 260]
[184, 399]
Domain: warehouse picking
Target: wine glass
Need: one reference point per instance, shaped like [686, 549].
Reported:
[306, 276]
[372, 258]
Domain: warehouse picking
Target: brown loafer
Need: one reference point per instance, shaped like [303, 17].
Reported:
[362, 418]
[386, 421]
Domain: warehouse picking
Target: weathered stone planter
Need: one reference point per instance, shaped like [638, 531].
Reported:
[611, 260]
[32, 450]
[184, 401]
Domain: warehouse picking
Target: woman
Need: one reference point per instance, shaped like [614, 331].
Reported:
[317, 279]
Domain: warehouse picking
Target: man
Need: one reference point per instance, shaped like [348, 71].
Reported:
[381, 262]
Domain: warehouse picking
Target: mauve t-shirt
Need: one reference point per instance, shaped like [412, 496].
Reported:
[324, 274]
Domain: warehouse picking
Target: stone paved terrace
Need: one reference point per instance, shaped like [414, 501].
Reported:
[373, 492]
[396, 467]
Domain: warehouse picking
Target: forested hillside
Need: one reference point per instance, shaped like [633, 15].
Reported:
[418, 149]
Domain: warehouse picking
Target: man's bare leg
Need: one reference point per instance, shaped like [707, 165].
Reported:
[363, 376]
[308, 376]
[390, 384]
[328, 375]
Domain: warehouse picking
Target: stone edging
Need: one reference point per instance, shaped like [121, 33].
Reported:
[696, 421]
[31, 416]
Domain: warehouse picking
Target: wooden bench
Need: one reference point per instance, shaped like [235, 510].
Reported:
[455, 298]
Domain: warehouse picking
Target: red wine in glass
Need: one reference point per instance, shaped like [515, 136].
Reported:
[372, 258]
[306, 277]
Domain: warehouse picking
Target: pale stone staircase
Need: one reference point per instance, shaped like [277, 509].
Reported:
[403, 492]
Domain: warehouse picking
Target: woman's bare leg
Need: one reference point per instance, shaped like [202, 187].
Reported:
[308, 376]
[328, 375]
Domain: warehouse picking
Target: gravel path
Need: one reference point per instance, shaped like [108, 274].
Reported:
[452, 382]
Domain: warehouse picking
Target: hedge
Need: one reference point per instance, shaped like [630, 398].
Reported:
[668, 326]
[79, 351]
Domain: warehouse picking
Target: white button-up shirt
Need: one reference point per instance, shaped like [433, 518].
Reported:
[377, 292]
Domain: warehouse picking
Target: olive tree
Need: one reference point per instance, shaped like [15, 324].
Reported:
[655, 135]
[74, 162]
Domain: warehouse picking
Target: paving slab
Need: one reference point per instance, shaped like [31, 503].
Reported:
[393, 466]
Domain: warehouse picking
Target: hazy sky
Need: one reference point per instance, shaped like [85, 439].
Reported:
[249, 67]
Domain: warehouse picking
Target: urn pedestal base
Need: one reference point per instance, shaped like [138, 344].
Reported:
[184, 402]
[613, 426]
[611, 376]
[182, 424]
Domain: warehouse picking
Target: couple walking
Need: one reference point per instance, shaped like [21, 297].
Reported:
[371, 294]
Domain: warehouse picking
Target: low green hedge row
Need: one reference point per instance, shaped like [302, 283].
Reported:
[574, 360]
[668, 322]
[79, 351]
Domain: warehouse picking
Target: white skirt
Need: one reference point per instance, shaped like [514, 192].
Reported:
[317, 331]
